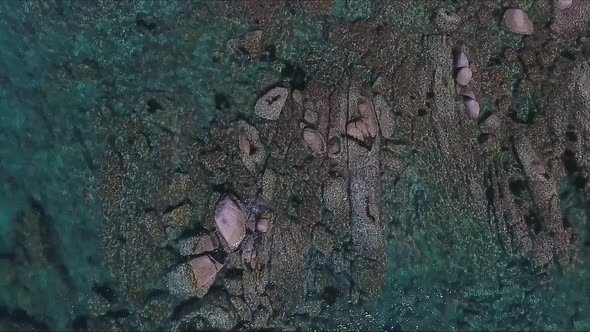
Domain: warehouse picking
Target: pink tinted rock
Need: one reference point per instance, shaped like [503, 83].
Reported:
[461, 60]
[464, 76]
[230, 221]
[314, 140]
[472, 107]
[357, 129]
[204, 269]
[562, 4]
[369, 118]
[539, 168]
[518, 21]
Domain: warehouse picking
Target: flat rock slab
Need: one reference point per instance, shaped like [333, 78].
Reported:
[272, 103]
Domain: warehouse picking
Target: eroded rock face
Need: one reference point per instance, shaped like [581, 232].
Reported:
[364, 188]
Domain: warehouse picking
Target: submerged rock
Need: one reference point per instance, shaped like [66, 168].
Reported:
[245, 145]
[446, 21]
[357, 129]
[253, 43]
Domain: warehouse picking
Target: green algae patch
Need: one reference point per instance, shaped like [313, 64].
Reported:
[352, 10]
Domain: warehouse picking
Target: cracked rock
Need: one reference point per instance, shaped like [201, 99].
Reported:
[272, 103]
[193, 278]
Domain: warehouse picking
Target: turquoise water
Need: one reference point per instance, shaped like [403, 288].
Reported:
[66, 67]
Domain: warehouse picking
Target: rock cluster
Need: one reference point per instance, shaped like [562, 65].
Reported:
[463, 77]
[195, 277]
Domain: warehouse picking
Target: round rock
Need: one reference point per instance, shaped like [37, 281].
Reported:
[518, 21]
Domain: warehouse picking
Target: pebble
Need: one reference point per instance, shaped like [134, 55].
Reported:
[468, 94]
[193, 278]
[464, 76]
[248, 252]
[252, 150]
[195, 245]
[518, 21]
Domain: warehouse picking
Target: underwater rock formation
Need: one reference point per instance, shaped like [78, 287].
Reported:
[289, 164]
